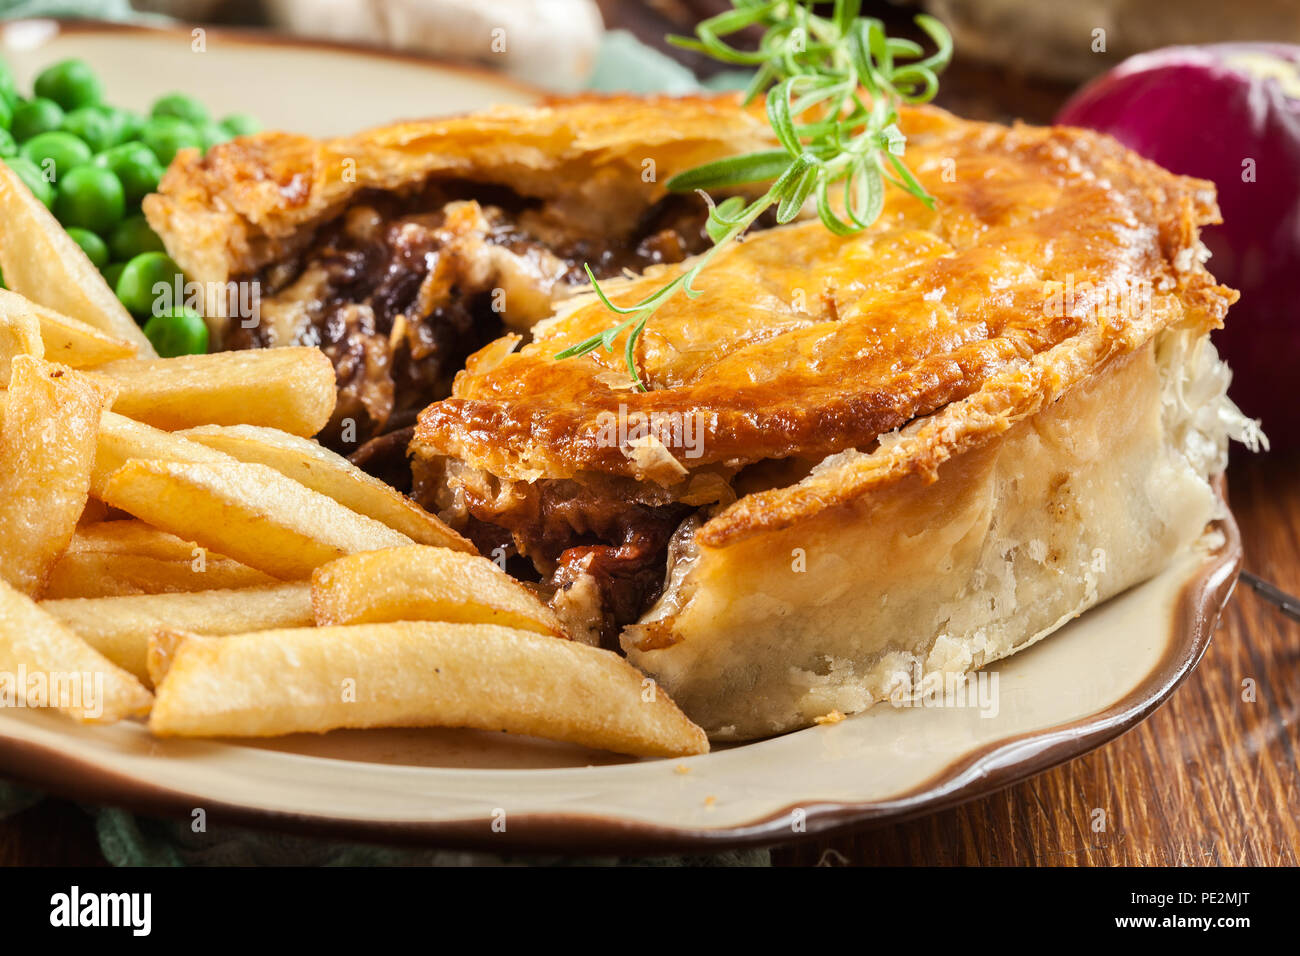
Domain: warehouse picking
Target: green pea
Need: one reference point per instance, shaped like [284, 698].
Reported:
[6, 113]
[7, 145]
[166, 135]
[115, 121]
[181, 331]
[70, 83]
[130, 125]
[135, 286]
[241, 124]
[33, 178]
[132, 236]
[212, 134]
[33, 117]
[58, 151]
[124, 125]
[93, 126]
[135, 165]
[90, 197]
[181, 107]
[91, 245]
[112, 273]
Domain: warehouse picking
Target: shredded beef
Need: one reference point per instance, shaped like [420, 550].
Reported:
[628, 577]
[399, 291]
[608, 535]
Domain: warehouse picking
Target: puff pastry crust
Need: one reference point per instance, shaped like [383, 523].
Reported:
[602, 160]
[805, 343]
[888, 595]
[950, 414]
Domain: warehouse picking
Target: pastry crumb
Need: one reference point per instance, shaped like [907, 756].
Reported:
[834, 717]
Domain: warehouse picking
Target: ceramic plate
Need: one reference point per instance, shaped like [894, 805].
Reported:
[322, 89]
[1086, 684]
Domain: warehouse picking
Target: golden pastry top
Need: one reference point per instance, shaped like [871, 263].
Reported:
[970, 316]
[1049, 251]
[602, 160]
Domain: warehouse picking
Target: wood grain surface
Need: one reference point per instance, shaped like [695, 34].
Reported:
[1209, 779]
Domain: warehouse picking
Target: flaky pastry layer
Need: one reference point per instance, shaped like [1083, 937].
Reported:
[1049, 252]
[601, 161]
[879, 597]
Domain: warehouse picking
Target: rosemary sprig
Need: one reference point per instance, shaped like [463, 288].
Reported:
[814, 70]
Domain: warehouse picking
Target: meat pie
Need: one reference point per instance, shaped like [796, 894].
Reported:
[861, 463]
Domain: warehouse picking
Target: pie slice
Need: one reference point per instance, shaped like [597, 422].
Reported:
[862, 464]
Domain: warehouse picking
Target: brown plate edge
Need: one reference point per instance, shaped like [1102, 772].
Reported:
[994, 767]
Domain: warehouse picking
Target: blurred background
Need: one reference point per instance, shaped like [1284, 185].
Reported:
[1016, 58]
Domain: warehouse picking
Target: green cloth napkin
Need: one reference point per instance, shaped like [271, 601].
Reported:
[623, 63]
[128, 840]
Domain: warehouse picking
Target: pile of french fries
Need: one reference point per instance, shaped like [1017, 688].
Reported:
[175, 546]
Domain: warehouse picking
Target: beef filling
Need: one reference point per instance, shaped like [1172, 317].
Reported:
[596, 548]
[399, 291]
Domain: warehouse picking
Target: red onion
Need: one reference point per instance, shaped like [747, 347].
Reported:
[1230, 113]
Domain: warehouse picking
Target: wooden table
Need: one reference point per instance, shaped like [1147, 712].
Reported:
[1208, 779]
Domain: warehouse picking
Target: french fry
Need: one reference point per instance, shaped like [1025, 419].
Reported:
[287, 388]
[77, 344]
[425, 584]
[42, 663]
[20, 334]
[122, 438]
[114, 558]
[250, 512]
[320, 469]
[423, 674]
[119, 627]
[47, 450]
[43, 263]
[64, 340]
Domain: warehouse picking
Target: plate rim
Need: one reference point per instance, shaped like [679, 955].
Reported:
[250, 36]
[1201, 599]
